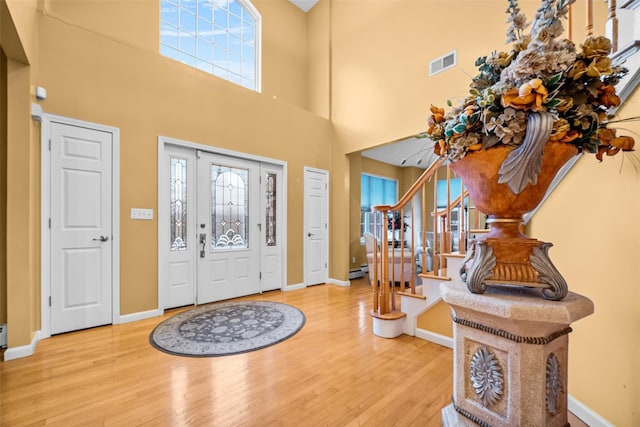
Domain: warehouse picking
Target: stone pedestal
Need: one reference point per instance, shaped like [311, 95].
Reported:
[510, 356]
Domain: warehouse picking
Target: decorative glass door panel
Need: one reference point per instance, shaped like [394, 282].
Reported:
[271, 194]
[229, 208]
[178, 203]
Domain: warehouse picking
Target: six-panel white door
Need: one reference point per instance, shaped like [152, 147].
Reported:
[228, 234]
[81, 228]
[316, 226]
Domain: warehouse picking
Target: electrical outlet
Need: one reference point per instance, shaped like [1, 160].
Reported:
[137, 213]
[353, 260]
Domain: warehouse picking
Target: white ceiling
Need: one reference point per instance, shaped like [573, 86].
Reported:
[412, 150]
[305, 5]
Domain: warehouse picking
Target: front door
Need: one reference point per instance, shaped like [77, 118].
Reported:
[81, 227]
[228, 230]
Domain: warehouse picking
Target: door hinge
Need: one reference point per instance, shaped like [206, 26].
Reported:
[261, 275]
[49, 301]
[326, 186]
[49, 223]
[49, 144]
[325, 265]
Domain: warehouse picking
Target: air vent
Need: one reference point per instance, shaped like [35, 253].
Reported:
[442, 63]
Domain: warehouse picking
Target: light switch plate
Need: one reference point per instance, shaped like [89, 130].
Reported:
[138, 213]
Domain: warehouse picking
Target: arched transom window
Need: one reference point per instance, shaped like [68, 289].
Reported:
[220, 37]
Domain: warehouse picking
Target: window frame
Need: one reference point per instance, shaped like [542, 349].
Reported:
[195, 60]
[365, 216]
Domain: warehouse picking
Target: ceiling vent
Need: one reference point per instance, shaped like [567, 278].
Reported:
[442, 63]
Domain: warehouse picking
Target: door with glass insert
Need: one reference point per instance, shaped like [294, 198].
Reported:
[228, 231]
[181, 260]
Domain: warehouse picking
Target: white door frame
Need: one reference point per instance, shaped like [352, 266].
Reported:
[45, 214]
[163, 206]
[306, 225]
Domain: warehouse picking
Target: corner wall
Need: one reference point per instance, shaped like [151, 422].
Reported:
[592, 220]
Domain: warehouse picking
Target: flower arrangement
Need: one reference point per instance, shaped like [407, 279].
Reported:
[396, 222]
[542, 73]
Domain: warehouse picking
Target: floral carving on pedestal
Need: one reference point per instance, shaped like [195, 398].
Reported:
[486, 376]
[554, 383]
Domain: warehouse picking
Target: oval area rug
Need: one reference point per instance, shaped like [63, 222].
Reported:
[222, 329]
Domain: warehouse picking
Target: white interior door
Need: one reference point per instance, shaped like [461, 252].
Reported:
[316, 194]
[271, 250]
[183, 245]
[81, 227]
[228, 231]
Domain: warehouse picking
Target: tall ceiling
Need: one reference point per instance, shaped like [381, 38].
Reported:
[305, 5]
[416, 152]
[407, 152]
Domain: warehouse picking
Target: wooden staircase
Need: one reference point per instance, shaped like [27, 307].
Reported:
[437, 238]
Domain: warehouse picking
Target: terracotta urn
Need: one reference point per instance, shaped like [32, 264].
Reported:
[506, 256]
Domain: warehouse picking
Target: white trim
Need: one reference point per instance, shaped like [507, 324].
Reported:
[134, 317]
[23, 350]
[333, 281]
[295, 287]
[586, 414]
[163, 240]
[45, 214]
[435, 338]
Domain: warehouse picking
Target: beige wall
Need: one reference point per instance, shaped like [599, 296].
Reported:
[592, 220]
[130, 86]
[3, 189]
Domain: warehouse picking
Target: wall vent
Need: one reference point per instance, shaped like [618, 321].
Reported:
[3, 335]
[442, 63]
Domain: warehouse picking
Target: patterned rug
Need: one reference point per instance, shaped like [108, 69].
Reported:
[222, 329]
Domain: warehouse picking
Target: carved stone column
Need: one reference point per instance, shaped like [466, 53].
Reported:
[510, 356]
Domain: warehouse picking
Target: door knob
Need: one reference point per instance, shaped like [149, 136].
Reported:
[102, 238]
[310, 234]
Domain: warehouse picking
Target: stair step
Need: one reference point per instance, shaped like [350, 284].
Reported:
[434, 276]
[409, 294]
[454, 255]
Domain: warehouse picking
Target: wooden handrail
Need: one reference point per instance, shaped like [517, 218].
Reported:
[416, 186]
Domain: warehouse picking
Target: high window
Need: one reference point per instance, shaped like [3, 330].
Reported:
[374, 190]
[220, 37]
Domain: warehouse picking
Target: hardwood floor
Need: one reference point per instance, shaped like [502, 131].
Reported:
[334, 372]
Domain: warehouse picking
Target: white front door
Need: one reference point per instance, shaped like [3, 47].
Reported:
[316, 192]
[227, 227]
[81, 227]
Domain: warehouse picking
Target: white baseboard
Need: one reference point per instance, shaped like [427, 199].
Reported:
[338, 282]
[23, 350]
[294, 287]
[586, 414]
[442, 340]
[127, 318]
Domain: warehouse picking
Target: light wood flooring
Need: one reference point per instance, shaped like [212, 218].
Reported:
[334, 372]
